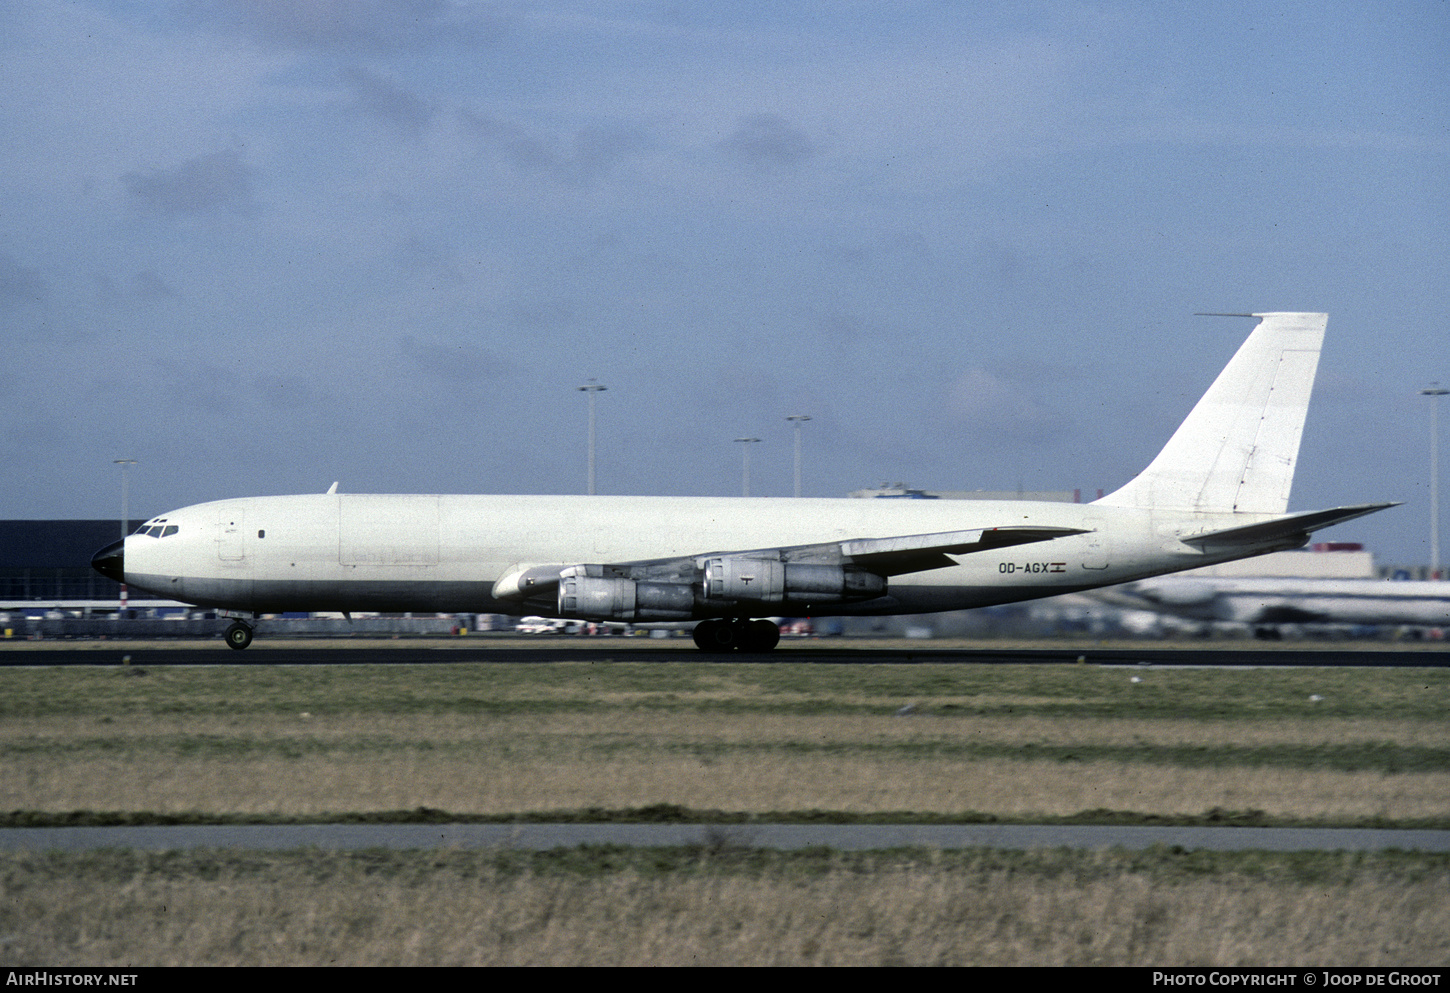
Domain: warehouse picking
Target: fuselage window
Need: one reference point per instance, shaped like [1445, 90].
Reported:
[261, 534]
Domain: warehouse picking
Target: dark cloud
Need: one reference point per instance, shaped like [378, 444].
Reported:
[521, 147]
[19, 284]
[220, 180]
[379, 97]
[769, 141]
[432, 261]
[378, 25]
[286, 391]
[590, 153]
[598, 149]
[146, 285]
[203, 390]
[458, 364]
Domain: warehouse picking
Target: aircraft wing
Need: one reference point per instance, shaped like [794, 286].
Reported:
[881, 557]
[920, 552]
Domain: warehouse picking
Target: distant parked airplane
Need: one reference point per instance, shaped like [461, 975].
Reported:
[1218, 491]
[1266, 602]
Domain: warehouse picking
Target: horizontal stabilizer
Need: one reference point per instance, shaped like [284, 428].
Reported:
[1284, 528]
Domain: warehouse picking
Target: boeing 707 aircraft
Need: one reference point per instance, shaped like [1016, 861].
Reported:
[1218, 491]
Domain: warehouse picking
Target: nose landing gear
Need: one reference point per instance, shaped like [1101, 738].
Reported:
[239, 635]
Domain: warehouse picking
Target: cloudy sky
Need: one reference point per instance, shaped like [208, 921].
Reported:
[263, 246]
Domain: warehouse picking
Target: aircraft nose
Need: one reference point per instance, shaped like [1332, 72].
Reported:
[111, 561]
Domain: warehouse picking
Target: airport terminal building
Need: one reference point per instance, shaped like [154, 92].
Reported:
[43, 563]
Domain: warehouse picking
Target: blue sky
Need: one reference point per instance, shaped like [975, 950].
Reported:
[261, 246]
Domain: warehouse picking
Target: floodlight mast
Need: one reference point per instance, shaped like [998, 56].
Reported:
[125, 513]
[1434, 392]
[745, 468]
[797, 420]
[591, 388]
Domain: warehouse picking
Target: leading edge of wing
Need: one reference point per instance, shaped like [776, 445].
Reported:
[892, 556]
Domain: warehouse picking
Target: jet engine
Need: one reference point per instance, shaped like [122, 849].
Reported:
[615, 598]
[763, 580]
[725, 585]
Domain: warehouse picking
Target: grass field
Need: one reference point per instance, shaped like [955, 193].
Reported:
[783, 739]
[724, 907]
[1345, 746]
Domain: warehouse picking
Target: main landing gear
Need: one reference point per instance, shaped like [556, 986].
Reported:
[238, 635]
[742, 634]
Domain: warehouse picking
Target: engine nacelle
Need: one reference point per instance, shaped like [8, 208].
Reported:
[741, 578]
[611, 598]
[762, 580]
[587, 593]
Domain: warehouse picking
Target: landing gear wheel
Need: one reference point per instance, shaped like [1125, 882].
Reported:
[715, 636]
[745, 635]
[238, 635]
[759, 636]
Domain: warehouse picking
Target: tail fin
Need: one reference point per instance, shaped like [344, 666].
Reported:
[1236, 451]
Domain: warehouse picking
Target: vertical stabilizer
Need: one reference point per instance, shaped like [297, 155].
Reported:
[1236, 451]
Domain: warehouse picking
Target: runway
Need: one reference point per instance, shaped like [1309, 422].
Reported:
[820, 651]
[845, 837]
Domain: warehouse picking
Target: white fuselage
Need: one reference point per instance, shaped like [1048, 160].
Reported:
[356, 552]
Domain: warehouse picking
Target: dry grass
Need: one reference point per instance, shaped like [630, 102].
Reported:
[460, 909]
[1013, 741]
[757, 763]
[408, 779]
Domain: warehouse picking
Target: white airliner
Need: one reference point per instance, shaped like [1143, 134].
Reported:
[1218, 491]
[1269, 602]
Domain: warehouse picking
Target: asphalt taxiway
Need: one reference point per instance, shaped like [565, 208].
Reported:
[845, 837]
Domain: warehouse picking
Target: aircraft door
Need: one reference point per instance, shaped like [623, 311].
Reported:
[231, 535]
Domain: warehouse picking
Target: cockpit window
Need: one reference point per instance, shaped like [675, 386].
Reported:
[157, 530]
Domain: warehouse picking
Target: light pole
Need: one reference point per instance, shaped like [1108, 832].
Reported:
[745, 469]
[797, 420]
[1434, 392]
[591, 388]
[125, 516]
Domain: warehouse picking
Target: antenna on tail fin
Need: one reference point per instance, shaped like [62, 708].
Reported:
[1235, 452]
